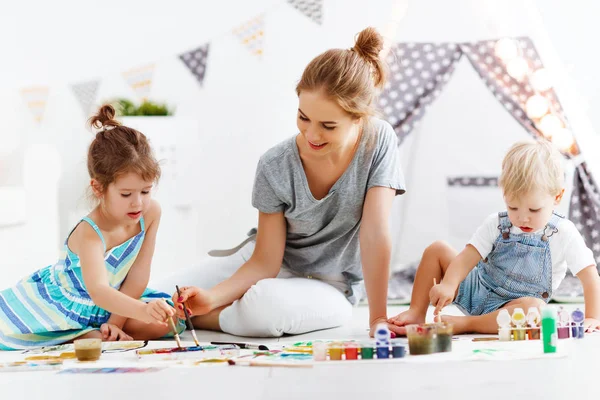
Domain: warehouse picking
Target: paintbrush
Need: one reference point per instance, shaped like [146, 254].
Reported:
[175, 334]
[251, 346]
[188, 320]
[436, 318]
[264, 363]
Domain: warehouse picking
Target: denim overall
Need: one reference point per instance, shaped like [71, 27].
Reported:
[518, 266]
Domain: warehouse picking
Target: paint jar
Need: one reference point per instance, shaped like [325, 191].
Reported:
[443, 339]
[504, 334]
[577, 325]
[533, 321]
[383, 352]
[519, 333]
[421, 339]
[533, 333]
[351, 351]
[319, 350]
[549, 330]
[88, 349]
[336, 350]
[398, 350]
[366, 351]
[564, 332]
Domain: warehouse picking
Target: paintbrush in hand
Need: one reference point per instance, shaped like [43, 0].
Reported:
[174, 328]
[436, 317]
[188, 320]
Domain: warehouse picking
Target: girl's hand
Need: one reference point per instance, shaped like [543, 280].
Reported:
[591, 324]
[198, 301]
[157, 311]
[440, 296]
[112, 333]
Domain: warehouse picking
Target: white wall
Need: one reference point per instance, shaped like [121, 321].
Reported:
[246, 105]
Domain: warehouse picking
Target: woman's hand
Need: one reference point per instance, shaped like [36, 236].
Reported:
[198, 301]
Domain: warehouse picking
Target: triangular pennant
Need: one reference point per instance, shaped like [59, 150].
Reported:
[251, 35]
[36, 98]
[313, 9]
[140, 80]
[196, 61]
[418, 73]
[86, 92]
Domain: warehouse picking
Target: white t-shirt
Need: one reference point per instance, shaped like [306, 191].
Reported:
[567, 247]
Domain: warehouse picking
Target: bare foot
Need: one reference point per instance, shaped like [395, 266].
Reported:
[407, 317]
[460, 324]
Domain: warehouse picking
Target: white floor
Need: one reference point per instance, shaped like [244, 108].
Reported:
[572, 376]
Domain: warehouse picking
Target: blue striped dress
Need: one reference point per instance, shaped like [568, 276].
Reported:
[52, 305]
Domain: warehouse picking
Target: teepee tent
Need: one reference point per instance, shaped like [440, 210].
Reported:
[457, 106]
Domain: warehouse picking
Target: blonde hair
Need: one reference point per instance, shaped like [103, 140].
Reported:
[532, 165]
[351, 77]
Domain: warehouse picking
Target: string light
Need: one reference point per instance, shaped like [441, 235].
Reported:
[517, 68]
[506, 49]
[549, 124]
[563, 139]
[540, 80]
[536, 106]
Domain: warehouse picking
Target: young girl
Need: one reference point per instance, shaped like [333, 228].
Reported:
[324, 198]
[93, 289]
[517, 258]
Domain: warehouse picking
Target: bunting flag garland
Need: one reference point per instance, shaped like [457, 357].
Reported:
[36, 98]
[86, 93]
[140, 80]
[251, 35]
[196, 61]
[313, 9]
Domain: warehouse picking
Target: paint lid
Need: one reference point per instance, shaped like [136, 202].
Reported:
[503, 318]
[548, 313]
[578, 316]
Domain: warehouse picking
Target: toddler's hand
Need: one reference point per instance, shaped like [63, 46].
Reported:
[591, 324]
[157, 311]
[440, 296]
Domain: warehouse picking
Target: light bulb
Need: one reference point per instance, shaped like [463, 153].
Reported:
[506, 49]
[540, 80]
[517, 68]
[563, 139]
[549, 124]
[536, 106]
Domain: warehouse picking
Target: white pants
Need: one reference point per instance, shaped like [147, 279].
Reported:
[272, 307]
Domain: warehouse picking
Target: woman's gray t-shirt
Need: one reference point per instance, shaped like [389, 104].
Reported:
[322, 235]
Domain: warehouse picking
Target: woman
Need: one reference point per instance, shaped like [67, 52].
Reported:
[324, 198]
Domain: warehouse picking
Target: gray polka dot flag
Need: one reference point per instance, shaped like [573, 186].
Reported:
[85, 93]
[584, 209]
[418, 72]
[313, 9]
[196, 61]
